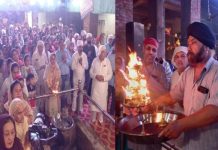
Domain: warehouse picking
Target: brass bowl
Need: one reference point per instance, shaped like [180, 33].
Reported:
[158, 117]
[146, 127]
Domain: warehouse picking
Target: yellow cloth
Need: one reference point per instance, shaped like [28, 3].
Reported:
[21, 131]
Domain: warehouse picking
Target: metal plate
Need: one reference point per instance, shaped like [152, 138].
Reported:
[153, 124]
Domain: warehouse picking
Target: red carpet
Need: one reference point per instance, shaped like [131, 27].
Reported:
[105, 132]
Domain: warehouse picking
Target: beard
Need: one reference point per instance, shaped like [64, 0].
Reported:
[194, 59]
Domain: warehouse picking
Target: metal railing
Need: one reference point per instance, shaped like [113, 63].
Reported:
[104, 112]
[57, 93]
[85, 94]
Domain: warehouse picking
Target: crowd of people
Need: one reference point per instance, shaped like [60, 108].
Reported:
[37, 61]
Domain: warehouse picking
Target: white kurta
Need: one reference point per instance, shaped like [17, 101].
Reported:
[78, 74]
[174, 79]
[78, 69]
[39, 61]
[100, 89]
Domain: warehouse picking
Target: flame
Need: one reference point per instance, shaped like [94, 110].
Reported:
[143, 83]
[132, 73]
[143, 91]
[133, 84]
[128, 92]
[134, 60]
[136, 91]
[55, 91]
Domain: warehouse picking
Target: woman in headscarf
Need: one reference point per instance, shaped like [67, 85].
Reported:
[15, 73]
[17, 111]
[8, 138]
[16, 58]
[101, 73]
[39, 60]
[52, 78]
[16, 92]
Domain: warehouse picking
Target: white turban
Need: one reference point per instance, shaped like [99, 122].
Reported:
[88, 35]
[83, 33]
[76, 35]
[79, 43]
[183, 49]
[101, 49]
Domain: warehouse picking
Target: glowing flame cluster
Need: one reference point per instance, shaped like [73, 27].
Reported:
[136, 90]
[55, 91]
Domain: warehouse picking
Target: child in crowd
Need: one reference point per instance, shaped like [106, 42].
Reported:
[31, 86]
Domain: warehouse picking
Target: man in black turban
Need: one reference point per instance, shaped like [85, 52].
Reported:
[199, 32]
[197, 89]
[203, 33]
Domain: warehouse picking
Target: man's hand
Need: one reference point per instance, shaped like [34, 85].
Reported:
[80, 61]
[173, 130]
[99, 78]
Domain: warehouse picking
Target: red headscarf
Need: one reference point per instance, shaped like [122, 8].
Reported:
[151, 41]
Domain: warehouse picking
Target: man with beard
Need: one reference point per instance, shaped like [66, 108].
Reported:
[198, 90]
[157, 83]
